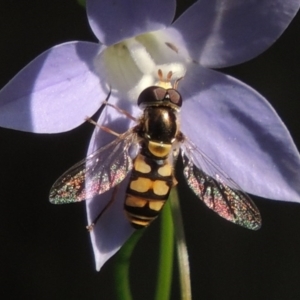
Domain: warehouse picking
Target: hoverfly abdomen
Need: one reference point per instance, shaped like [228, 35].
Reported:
[149, 188]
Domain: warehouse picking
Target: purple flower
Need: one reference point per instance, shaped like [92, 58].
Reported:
[225, 118]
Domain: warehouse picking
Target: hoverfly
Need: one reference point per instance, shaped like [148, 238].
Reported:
[159, 141]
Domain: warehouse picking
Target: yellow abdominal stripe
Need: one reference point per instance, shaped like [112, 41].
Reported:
[143, 185]
[165, 170]
[156, 205]
[140, 165]
[140, 202]
[135, 201]
[160, 187]
[140, 222]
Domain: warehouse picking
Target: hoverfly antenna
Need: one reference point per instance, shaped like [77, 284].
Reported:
[165, 82]
[169, 75]
[161, 76]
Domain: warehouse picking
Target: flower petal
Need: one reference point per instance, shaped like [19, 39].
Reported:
[239, 130]
[114, 21]
[224, 32]
[55, 92]
[113, 228]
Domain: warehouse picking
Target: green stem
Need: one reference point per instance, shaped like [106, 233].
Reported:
[81, 2]
[165, 269]
[183, 258]
[122, 277]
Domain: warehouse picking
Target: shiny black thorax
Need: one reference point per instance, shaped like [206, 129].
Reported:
[158, 124]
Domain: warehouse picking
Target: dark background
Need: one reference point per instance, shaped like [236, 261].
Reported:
[45, 251]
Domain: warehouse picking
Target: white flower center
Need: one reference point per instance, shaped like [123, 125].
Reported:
[133, 64]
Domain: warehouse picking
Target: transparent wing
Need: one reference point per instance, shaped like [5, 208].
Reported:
[105, 168]
[219, 192]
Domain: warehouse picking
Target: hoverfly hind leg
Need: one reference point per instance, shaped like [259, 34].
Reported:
[91, 226]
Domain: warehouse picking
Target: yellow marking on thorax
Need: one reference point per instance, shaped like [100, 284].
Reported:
[140, 165]
[159, 149]
[165, 170]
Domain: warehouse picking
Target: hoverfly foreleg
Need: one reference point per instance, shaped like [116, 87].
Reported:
[109, 203]
[121, 111]
[106, 129]
[90, 120]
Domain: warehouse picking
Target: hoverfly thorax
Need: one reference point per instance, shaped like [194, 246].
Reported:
[160, 123]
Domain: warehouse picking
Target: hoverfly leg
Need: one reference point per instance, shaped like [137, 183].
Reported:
[90, 227]
[176, 82]
[175, 182]
[106, 129]
[109, 203]
[121, 111]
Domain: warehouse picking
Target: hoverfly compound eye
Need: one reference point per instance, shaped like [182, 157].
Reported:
[159, 96]
[160, 93]
[152, 95]
[174, 97]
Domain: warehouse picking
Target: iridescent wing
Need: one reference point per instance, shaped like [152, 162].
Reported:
[219, 192]
[104, 169]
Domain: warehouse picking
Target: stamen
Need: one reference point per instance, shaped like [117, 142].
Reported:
[140, 56]
[132, 65]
